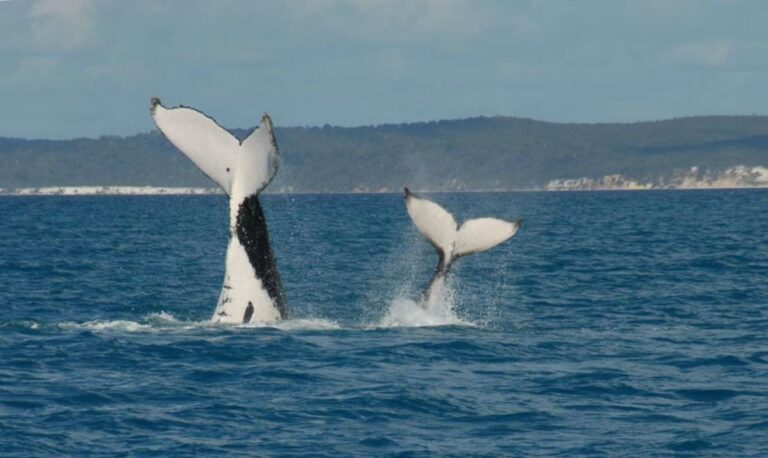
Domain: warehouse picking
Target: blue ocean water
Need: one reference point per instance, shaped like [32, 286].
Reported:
[614, 323]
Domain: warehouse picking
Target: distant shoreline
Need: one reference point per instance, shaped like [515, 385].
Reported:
[735, 177]
[498, 154]
[107, 191]
[85, 191]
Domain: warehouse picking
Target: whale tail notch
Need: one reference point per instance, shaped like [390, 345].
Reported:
[240, 168]
[452, 241]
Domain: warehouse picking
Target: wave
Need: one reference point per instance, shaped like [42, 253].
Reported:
[166, 322]
[151, 322]
[298, 324]
[402, 313]
[438, 310]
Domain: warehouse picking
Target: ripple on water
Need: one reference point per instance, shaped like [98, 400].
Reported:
[613, 324]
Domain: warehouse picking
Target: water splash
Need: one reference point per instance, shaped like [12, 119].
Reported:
[299, 324]
[166, 322]
[162, 321]
[438, 310]
[102, 325]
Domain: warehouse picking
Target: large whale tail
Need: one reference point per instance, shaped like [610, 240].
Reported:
[252, 289]
[240, 168]
[452, 241]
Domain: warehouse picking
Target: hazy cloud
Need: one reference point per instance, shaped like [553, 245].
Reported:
[89, 66]
[31, 72]
[61, 24]
[397, 19]
[711, 54]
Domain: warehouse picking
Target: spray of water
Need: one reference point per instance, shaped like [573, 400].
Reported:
[437, 310]
[166, 322]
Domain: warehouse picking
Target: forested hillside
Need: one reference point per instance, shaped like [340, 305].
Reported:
[469, 154]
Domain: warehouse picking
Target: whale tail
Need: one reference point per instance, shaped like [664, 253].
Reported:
[252, 290]
[452, 241]
[240, 168]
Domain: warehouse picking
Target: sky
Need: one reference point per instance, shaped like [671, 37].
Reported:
[86, 68]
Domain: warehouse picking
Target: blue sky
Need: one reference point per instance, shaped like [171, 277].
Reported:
[71, 68]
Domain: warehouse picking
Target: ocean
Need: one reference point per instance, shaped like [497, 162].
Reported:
[612, 324]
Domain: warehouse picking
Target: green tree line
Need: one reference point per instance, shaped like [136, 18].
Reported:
[497, 153]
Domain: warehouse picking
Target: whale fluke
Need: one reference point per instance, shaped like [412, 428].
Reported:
[252, 290]
[452, 241]
[217, 152]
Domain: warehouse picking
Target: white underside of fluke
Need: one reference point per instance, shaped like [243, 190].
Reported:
[242, 169]
[434, 222]
[481, 234]
[440, 228]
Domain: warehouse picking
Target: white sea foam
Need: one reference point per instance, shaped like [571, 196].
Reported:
[401, 313]
[101, 325]
[300, 324]
[162, 318]
[438, 310]
[166, 322]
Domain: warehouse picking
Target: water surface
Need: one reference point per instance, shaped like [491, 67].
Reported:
[614, 323]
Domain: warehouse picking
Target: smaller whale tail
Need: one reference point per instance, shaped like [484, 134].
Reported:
[452, 241]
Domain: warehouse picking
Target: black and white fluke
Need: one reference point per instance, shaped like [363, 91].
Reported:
[252, 291]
